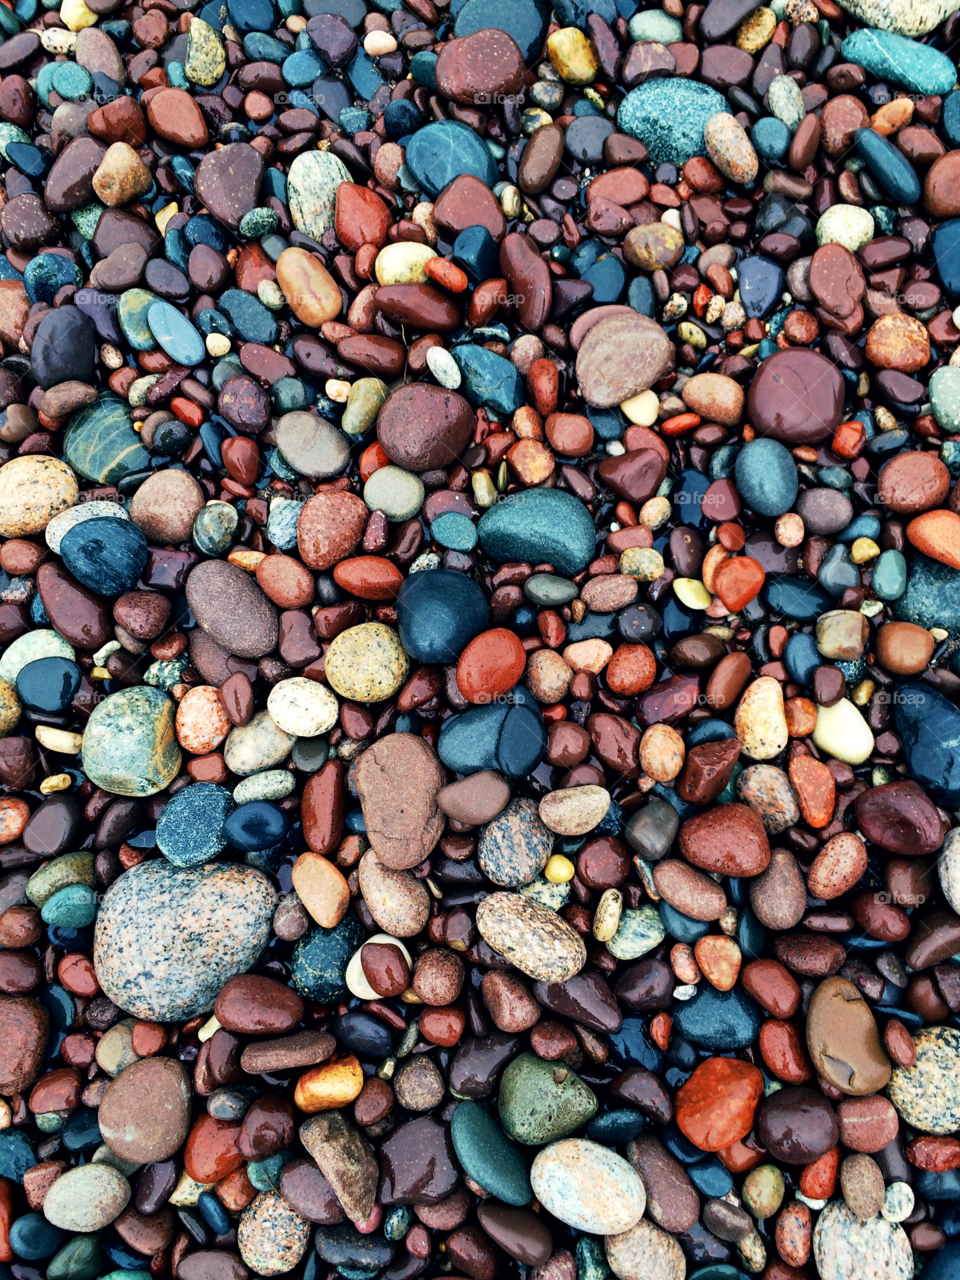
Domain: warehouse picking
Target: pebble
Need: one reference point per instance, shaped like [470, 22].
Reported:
[271, 1237]
[398, 781]
[588, 1187]
[532, 937]
[87, 1198]
[129, 744]
[845, 1247]
[539, 1103]
[302, 708]
[144, 1114]
[33, 490]
[645, 1252]
[926, 1094]
[367, 663]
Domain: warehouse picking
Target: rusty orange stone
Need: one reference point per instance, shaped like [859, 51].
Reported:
[236, 1191]
[782, 1049]
[490, 665]
[849, 439]
[14, 815]
[335, 1083]
[148, 1038]
[937, 535]
[738, 581]
[309, 288]
[361, 217]
[661, 1026]
[740, 1157]
[211, 1152]
[815, 787]
[543, 384]
[632, 669]
[731, 536]
[446, 274]
[442, 1024]
[801, 717]
[794, 1233]
[680, 424]
[715, 1107]
[934, 1154]
[571, 434]
[372, 459]
[818, 1180]
[531, 462]
[719, 959]
[369, 577]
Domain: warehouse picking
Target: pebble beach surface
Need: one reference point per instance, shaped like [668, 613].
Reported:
[479, 640]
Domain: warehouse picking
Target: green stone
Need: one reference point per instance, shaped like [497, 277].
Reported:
[543, 1101]
[272, 784]
[258, 222]
[932, 597]
[288, 394]
[214, 528]
[654, 24]
[101, 444]
[11, 133]
[129, 744]
[669, 116]
[69, 869]
[30, 648]
[488, 1156]
[85, 218]
[919, 67]
[73, 907]
[396, 492]
[785, 101]
[639, 931]
[363, 404]
[164, 675]
[206, 58]
[548, 591]
[945, 397]
[890, 575]
[132, 309]
[320, 960]
[312, 190]
[79, 1259]
[591, 1259]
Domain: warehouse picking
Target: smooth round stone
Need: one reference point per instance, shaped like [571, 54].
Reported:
[311, 445]
[844, 1041]
[796, 397]
[422, 427]
[166, 506]
[548, 525]
[301, 707]
[403, 263]
[308, 286]
[129, 744]
[523, 20]
[767, 478]
[846, 1247]
[588, 1187]
[107, 556]
[845, 224]
[842, 732]
[367, 663]
[31, 647]
[438, 613]
[312, 183]
[454, 530]
[190, 831]
[144, 1115]
[255, 826]
[232, 609]
[535, 1108]
[60, 524]
[64, 345]
[647, 1252]
[176, 335]
[74, 907]
[669, 117]
[87, 1198]
[214, 528]
[397, 493]
[167, 940]
[515, 846]
[944, 398]
[319, 963]
[261, 744]
[272, 784]
[625, 354]
[639, 931]
[272, 1238]
[508, 736]
[444, 368]
[488, 1156]
[439, 152]
[927, 1095]
[32, 491]
[48, 685]
[719, 1020]
[101, 444]
[533, 938]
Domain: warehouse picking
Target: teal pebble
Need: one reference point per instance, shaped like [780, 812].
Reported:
[654, 24]
[265, 1174]
[79, 1259]
[489, 379]
[544, 526]
[718, 1020]
[771, 139]
[71, 81]
[891, 57]
[190, 828]
[669, 117]
[932, 596]
[766, 477]
[320, 960]
[250, 318]
[214, 528]
[444, 150]
[397, 1222]
[535, 1107]
[176, 335]
[455, 531]
[32, 1237]
[890, 575]
[73, 907]
[945, 397]
[258, 222]
[282, 523]
[488, 1156]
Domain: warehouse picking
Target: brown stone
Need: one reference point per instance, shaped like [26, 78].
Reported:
[174, 115]
[145, 1112]
[844, 1041]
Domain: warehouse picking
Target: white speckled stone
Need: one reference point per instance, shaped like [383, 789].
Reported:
[533, 938]
[30, 648]
[86, 1199]
[847, 1249]
[898, 1202]
[927, 1095]
[948, 865]
[905, 17]
[639, 931]
[271, 1237]
[645, 1252]
[587, 1186]
[304, 708]
[261, 744]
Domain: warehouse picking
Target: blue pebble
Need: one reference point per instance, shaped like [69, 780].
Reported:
[74, 906]
[928, 726]
[249, 316]
[683, 928]
[766, 477]
[488, 379]
[718, 1020]
[761, 282]
[891, 57]
[950, 118]
[837, 571]
[888, 166]
[191, 828]
[320, 959]
[400, 118]
[47, 273]
[213, 1213]
[508, 736]
[176, 334]
[254, 826]
[105, 554]
[802, 657]
[475, 250]
[798, 598]
[32, 1237]
[710, 1178]
[771, 139]
[540, 526]
[454, 530]
[439, 612]
[445, 149]
[49, 685]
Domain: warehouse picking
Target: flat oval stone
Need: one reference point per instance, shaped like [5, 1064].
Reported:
[843, 1039]
[167, 940]
[928, 726]
[100, 442]
[621, 356]
[312, 183]
[307, 285]
[588, 1187]
[439, 152]
[130, 744]
[106, 555]
[175, 334]
[438, 613]
[796, 396]
[34, 491]
[144, 1114]
[488, 1156]
[422, 427]
[548, 525]
[87, 1198]
[229, 605]
[533, 938]
[669, 117]
[480, 67]
[797, 1125]
[397, 780]
[271, 1237]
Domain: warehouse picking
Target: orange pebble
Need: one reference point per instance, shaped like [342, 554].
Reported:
[738, 581]
[446, 274]
[937, 535]
[148, 1038]
[189, 413]
[819, 1180]
[731, 536]
[14, 815]
[661, 1025]
[849, 439]
[682, 423]
[371, 460]
[490, 665]
[782, 1049]
[369, 577]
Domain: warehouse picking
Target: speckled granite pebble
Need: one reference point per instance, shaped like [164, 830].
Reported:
[639, 931]
[766, 789]
[847, 1249]
[515, 846]
[533, 938]
[588, 1187]
[271, 1237]
[645, 1252]
[129, 744]
[927, 1095]
[168, 939]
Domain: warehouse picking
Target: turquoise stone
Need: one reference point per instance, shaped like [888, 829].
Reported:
[175, 334]
[47, 273]
[535, 1107]
[68, 870]
[16, 1154]
[945, 397]
[766, 477]
[132, 309]
[654, 24]
[11, 133]
[73, 907]
[890, 575]
[129, 744]
[928, 726]
[79, 1259]
[250, 318]
[32, 1237]
[771, 138]
[718, 1020]
[320, 960]
[444, 150]
[71, 81]
[548, 526]
[454, 530]
[889, 166]
[932, 595]
[668, 116]
[891, 57]
[101, 444]
[489, 379]
[190, 829]
[488, 1156]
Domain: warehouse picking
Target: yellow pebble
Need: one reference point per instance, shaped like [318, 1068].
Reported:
[165, 214]
[56, 782]
[692, 593]
[559, 869]
[59, 740]
[755, 32]
[295, 23]
[573, 56]
[99, 673]
[75, 15]
[642, 409]
[337, 390]
[402, 263]
[217, 344]
[655, 512]
[333, 1084]
[642, 563]
[864, 549]
[606, 918]
[693, 334]
[939, 634]
[863, 693]
[207, 1030]
[483, 489]
[410, 996]
[244, 558]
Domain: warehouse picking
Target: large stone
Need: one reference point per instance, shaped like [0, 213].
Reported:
[130, 745]
[312, 190]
